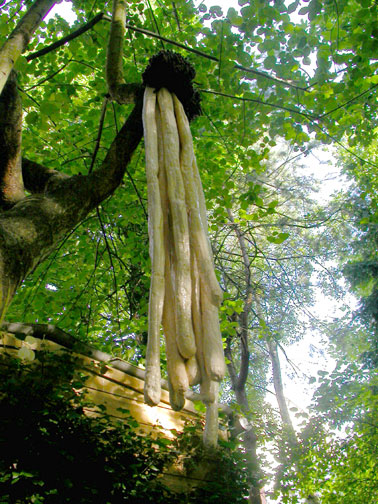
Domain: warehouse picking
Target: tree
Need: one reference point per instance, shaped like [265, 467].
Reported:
[251, 73]
[267, 254]
[339, 442]
[235, 49]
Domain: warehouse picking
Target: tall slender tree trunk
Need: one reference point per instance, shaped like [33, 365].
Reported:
[289, 431]
[239, 380]
[250, 446]
[279, 390]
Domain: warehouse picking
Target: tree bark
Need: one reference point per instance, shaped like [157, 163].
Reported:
[18, 40]
[118, 89]
[76, 33]
[279, 390]
[31, 226]
[11, 184]
[288, 428]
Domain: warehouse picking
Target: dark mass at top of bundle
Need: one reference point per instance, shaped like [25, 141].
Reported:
[174, 72]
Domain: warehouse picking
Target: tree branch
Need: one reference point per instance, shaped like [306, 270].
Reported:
[115, 163]
[37, 178]
[11, 185]
[279, 390]
[18, 40]
[118, 89]
[343, 105]
[261, 102]
[230, 364]
[99, 133]
[71, 36]
[101, 16]
[214, 58]
[244, 357]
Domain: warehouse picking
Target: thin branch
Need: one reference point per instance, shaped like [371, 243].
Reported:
[149, 33]
[261, 102]
[84, 289]
[130, 177]
[289, 361]
[340, 144]
[244, 359]
[111, 263]
[213, 58]
[33, 292]
[230, 364]
[71, 36]
[29, 96]
[155, 21]
[48, 77]
[175, 14]
[270, 77]
[98, 139]
[101, 16]
[309, 117]
[343, 105]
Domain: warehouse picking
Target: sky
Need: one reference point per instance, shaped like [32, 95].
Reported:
[63, 9]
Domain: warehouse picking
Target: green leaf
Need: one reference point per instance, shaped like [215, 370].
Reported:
[314, 8]
[26, 354]
[278, 238]
[269, 62]
[292, 7]
[32, 117]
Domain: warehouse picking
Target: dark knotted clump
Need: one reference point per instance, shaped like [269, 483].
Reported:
[174, 72]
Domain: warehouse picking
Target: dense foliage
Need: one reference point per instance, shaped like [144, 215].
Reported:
[106, 298]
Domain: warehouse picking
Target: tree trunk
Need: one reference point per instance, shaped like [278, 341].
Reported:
[279, 390]
[11, 184]
[249, 437]
[239, 380]
[30, 227]
[289, 432]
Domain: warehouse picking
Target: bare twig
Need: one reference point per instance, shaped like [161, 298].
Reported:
[42, 81]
